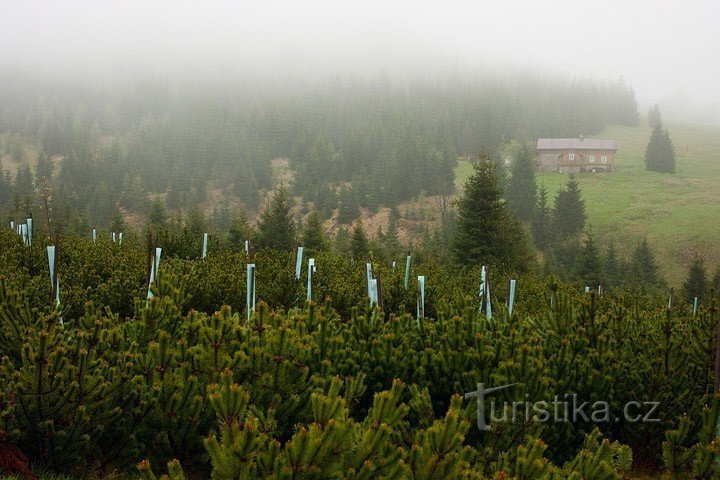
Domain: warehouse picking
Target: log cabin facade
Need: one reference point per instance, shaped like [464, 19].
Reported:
[576, 155]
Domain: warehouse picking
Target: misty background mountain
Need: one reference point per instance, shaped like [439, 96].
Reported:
[384, 141]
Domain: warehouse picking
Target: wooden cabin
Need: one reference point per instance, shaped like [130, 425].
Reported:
[576, 155]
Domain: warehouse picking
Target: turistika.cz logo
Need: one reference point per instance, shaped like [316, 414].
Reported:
[567, 408]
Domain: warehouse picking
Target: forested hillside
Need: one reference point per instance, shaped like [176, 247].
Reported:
[351, 143]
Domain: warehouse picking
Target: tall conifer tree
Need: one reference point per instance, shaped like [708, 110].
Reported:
[696, 283]
[644, 272]
[486, 232]
[654, 116]
[239, 231]
[276, 228]
[588, 267]
[313, 237]
[44, 169]
[359, 244]
[660, 152]
[522, 187]
[348, 206]
[569, 212]
[611, 268]
[158, 215]
[542, 221]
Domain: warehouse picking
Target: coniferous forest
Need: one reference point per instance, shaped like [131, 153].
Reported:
[350, 144]
[189, 288]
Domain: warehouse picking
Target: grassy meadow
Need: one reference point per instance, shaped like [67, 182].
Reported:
[679, 214]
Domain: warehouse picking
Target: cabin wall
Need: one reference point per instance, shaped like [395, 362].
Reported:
[559, 161]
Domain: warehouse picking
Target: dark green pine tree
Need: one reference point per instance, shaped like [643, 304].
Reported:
[660, 152]
[587, 267]
[158, 216]
[134, 193]
[569, 211]
[359, 244]
[391, 240]
[654, 116]
[117, 222]
[239, 231]
[276, 228]
[5, 188]
[562, 257]
[348, 205]
[696, 283]
[486, 233]
[326, 200]
[522, 188]
[24, 191]
[195, 223]
[24, 181]
[177, 194]
[542, 221]
[611, 269]
[44, 169]
[644, 272]
[314, 238]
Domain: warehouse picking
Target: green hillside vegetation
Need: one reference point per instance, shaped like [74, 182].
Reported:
[677, 213]
[115, 384]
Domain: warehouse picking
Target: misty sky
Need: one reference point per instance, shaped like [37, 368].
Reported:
[662, 47]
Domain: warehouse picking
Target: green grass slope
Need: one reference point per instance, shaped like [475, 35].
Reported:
[679, 214]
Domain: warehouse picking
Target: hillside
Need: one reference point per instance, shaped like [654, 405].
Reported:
[678, 213]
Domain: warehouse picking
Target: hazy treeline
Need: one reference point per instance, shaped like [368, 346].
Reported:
[384, 142]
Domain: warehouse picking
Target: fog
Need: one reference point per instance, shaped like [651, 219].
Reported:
[668, 51]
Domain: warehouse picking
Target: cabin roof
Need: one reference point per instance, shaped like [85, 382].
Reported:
[576, 144]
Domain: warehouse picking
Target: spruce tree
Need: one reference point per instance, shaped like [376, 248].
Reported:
[486, 232]
[239, 231]
[117, 223]
[522, 187]
[569, 212]
[660, 152]
[654, 116]
[313, 236]
[644, 272]
[134, 193]
[563, 256]
[348, 207]
[158, 214]
[391, 240]
[5, 187]
[696, 283]
[24, 193]
[44, 169]
[359, 245]
[276, 228]
[326, 200]
[542, 221]
[588, 263]
[195, 222]
[24, 181]
[611, 268]
[16, 147]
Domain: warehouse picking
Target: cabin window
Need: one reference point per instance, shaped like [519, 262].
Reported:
[592, 158]
[571, 156]
[603, 159]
